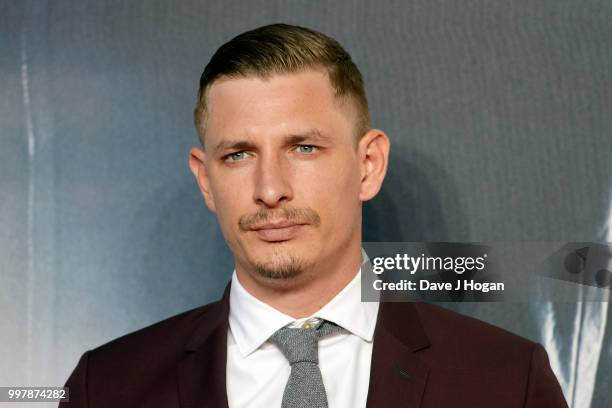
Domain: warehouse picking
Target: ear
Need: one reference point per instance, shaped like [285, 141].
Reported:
[373, 153]
[197, 165]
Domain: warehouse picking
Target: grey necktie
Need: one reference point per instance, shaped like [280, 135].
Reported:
[300, 346]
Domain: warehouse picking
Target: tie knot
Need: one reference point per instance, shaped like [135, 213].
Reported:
[300, 344]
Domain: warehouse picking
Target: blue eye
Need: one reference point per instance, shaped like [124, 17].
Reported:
[306, 148]
[236, 156]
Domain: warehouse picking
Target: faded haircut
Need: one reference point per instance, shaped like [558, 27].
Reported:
[284, 49]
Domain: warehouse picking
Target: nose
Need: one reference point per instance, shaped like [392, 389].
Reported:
[272, 184]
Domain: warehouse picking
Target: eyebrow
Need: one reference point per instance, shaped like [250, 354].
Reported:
[314, 135]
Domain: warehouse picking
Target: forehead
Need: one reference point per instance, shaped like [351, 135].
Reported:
[280, 103]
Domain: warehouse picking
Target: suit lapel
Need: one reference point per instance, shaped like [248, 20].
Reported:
[201, 374]
[397, 375]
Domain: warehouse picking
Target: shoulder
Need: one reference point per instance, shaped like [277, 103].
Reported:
[440, 322]
[158, 344]
[462, 347]
[463, 340]
[115, 373]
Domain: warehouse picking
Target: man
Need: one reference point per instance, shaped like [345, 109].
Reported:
[288, 157]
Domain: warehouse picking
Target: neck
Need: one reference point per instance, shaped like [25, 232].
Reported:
[303, 295]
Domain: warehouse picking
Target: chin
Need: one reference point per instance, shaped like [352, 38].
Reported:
[280, 261]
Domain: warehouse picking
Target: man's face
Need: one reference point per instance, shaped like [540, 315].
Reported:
[281, 169]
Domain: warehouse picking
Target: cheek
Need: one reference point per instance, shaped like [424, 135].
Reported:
[335, 192]
[229, 200]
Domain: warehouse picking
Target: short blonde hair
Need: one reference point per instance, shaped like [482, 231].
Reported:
[283, 49]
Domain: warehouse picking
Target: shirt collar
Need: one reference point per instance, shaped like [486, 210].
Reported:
[252, 321]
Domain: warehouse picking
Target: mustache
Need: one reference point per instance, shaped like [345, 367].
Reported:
[298, 215]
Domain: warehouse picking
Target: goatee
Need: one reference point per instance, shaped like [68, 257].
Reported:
[280, 269]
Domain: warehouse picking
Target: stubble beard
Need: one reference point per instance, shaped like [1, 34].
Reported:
[282, 266]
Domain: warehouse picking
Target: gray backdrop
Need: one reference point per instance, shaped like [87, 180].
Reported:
[498, 111]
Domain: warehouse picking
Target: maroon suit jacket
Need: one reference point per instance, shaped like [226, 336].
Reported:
[423, 356]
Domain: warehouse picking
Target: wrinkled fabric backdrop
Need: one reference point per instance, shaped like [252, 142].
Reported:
[499, 115]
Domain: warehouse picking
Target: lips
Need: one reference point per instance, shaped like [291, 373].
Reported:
[277, 231]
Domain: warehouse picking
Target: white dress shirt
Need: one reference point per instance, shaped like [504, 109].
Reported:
[257, 371]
